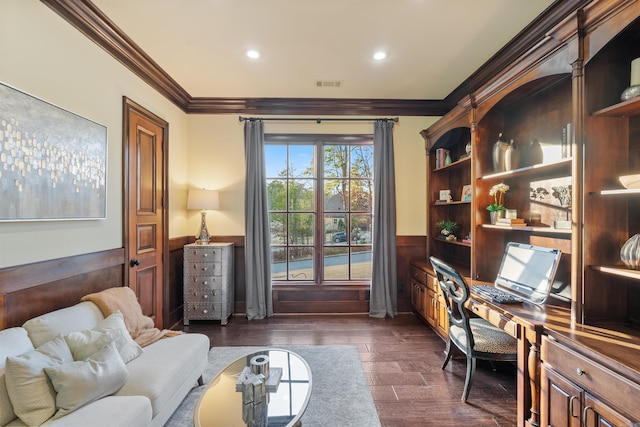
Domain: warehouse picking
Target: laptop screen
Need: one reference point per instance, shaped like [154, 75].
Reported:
[528, 271]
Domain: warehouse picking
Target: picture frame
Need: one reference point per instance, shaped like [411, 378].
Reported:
[466, 193]
[53, 163]
[445, 196]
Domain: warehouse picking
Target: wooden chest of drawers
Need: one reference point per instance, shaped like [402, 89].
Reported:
[208, 282]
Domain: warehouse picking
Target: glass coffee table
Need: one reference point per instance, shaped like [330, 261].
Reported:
[221, 403]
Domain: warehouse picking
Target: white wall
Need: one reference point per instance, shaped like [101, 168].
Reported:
[43, 55]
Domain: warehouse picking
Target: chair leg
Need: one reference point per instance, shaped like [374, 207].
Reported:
[449, 354]
[471, 369]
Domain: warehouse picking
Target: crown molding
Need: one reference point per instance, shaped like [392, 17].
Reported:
[96, 26]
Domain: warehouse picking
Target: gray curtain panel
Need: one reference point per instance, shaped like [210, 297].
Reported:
[384, 290]
[257, 252]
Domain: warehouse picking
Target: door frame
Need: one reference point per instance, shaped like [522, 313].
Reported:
[128, 106]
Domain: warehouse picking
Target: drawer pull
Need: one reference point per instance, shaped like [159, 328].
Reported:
[205, 311]
[205, 255]
[205, 296]
[580, 371]
[195, 294]
[571, 402]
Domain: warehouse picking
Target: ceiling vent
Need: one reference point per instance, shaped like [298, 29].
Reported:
[329, 83]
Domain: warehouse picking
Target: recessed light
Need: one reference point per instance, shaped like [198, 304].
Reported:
[253, 54]
[380, 55]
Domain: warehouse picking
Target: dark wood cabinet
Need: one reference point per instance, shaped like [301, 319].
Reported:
[578, 391]
[564, 96]
[427, 300]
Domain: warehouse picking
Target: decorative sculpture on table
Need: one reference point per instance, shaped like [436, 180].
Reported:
[563, 194]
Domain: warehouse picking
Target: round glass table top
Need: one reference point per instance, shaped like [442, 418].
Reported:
[222, 402]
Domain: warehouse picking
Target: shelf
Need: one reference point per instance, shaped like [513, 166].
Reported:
[454, 165]
[622, 109]
[545, 230]
[559, 166]
[458, 202]
[627, 191]
[618, 271]
[452, 242]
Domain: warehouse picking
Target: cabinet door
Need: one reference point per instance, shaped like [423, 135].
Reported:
[598, 414]
[430, 308]
[443, 317]
[560, 401]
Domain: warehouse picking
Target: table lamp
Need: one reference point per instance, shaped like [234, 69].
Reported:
[203, 200]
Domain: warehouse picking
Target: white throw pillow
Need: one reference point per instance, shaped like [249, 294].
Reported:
[85, 343]
[81, 382]
[115, 326]
[31, 393]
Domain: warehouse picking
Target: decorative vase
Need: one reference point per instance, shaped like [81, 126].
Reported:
[494, 215]
[533, 153]
[499, 147]
[630, 252]
[511, 156]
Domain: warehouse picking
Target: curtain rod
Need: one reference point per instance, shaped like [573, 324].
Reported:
[317, 119]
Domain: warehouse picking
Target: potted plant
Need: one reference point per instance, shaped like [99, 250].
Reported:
[496, 209]
[447, 229]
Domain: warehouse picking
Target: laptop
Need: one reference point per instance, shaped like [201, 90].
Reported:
[526, 273]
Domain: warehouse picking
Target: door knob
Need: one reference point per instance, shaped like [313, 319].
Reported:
[134, 262]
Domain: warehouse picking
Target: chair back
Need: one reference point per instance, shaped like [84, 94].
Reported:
[456, 293]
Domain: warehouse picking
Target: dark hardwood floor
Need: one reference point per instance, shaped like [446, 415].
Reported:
[402, 358]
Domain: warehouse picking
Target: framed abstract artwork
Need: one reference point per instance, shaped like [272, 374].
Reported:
[53, 163]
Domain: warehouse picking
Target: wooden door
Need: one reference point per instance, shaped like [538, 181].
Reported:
[145, 158]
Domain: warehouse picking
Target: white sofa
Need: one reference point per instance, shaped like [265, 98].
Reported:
[157, 380]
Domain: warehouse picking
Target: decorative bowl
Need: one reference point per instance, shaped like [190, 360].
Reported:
[630, 181]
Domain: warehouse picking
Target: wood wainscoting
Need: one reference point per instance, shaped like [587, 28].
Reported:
[30, 290]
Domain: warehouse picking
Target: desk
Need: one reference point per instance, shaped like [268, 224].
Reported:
[525, 322]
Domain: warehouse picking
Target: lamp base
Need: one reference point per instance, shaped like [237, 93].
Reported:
[202, 238]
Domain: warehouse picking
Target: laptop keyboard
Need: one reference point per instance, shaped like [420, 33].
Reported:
[496, 295]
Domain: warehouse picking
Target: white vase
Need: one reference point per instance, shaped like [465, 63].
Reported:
[630, 252]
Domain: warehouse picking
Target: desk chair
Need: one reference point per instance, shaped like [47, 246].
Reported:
[475, 337]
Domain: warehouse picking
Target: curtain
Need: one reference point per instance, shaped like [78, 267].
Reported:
[384, 290]
[257, 251]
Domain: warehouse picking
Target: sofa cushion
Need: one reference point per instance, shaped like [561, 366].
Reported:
[84, 315]
[85, 343]
[175, 358]
[13, 342]
[110, 411]
[31, 393]
[114, 325]
[84, 381]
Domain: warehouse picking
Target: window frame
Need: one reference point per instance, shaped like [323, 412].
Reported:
[319, 141]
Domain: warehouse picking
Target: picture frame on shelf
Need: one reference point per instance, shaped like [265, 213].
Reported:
[466, 193]
[444, 196]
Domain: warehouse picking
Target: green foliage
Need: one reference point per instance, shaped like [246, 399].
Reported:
[448, 225]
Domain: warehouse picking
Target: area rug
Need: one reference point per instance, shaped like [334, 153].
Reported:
[340, 395]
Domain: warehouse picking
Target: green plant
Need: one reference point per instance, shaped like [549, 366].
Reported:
[447, 225]
[497, 191]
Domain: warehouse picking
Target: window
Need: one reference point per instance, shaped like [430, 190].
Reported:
[320, 194]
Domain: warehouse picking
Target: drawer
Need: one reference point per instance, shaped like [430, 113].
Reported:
[204, 269]
[203, 295]
[204, 310]
[493, 317]
[419, 275]
[591, 376]
[194, 280]
[208, 254]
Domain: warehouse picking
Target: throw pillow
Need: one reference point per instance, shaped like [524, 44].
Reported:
[81, 382]
[31, 393]
[84, 343]
[115, 326]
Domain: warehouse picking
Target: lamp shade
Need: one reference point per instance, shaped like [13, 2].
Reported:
[203, 199]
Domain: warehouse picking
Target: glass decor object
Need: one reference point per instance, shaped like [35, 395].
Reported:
[633, 91]
[499, 148]
[630, 252]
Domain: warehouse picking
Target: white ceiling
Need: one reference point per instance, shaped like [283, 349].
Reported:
[432, 45]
